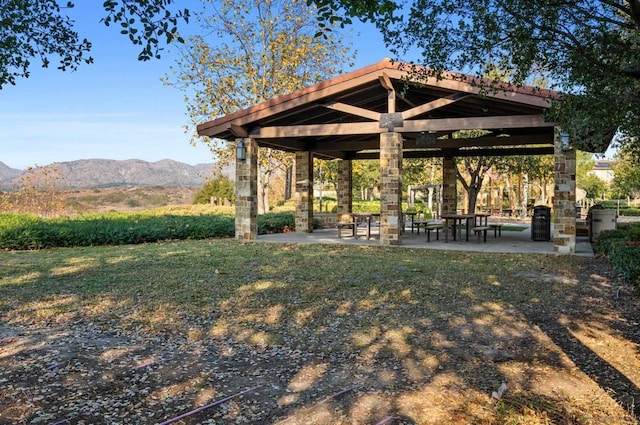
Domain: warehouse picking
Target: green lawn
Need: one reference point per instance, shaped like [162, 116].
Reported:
[331, 334]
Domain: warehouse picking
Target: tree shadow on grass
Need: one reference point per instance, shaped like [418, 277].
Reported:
[322, 342]
[592, 312]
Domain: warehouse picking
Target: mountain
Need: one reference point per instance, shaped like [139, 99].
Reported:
[8, 173]
[99, 173]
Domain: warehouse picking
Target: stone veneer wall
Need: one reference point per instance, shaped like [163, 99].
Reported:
[325, 219]
[564, 200]
[304, 192]
[246, 225]
[391, 188]
[449, 188]
[345, 197]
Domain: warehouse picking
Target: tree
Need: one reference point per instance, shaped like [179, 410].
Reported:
[475, 169]
[325, 175]
[585, 179]
[525, 173]
[584, 165]
[43, 31]
[37, 192]
[419, 171]
[626, 180]
[246, 52]
[594, 186]
[219, 187]
[366, 178]
[589, 49]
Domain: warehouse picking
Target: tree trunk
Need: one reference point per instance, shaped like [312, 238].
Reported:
[263, 192]
[288, 185]
[472, 194]
[525, 194]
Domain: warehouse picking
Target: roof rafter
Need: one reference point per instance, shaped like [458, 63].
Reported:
[433, 105]
[353, 110]
[410, 126]
[436, 153]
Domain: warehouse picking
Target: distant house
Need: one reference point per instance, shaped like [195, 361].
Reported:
[602, 170]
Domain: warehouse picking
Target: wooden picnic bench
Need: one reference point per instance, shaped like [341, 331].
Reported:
[481, 230]
[348, 225]
[497, 229]
[433, 227]
[420, 223]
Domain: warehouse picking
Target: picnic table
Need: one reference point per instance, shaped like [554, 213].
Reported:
[481, 219]
[455, 222]
[411, 215]
[364, 218]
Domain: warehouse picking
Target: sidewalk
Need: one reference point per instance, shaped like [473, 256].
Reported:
[509, 242]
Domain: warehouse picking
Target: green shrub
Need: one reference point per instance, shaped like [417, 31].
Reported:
[625, 259]
[26, 232]
[622, 248]
[219, 187]
[276, 223]
[630, 212]
[612, 205]
[366, 206]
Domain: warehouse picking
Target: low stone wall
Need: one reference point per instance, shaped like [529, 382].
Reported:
[325, 219]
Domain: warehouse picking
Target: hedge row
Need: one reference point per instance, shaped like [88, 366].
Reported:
[24, 232]
[630, 212]
[622, 248]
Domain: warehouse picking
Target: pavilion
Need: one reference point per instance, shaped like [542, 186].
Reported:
[377, 113]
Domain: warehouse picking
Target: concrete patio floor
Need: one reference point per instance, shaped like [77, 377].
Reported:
[509, 242]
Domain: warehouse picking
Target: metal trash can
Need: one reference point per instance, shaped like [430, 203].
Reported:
[541, 223]
[601, 219]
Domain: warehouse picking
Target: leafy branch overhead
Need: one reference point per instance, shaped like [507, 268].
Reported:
[587, 49]
[43, 31]
[153, 17]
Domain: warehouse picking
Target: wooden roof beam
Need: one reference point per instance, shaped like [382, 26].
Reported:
[438, 153]
[238, 131]
[409, 126]
[353, 110]
[385, 81]
[433, 105]
[285, 144]
[539, 139]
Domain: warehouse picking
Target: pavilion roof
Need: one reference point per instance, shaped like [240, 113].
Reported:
[343, 117]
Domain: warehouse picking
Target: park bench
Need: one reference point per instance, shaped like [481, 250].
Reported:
[481, 230]
[347, 225]
[418, 223]
[497, 229]
[433, 227]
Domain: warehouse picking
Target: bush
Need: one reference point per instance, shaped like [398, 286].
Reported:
[276, 223]
[26, 232]
[366, 206]
[630, 212]
[220, 187]
[622, 248]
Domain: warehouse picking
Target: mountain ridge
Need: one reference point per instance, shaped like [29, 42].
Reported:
[102, 173]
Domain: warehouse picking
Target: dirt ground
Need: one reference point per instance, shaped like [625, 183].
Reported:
[577, 365]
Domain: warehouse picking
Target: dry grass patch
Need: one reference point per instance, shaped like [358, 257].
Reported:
[316, 334]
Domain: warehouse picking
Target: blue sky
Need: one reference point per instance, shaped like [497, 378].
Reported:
[115, 108]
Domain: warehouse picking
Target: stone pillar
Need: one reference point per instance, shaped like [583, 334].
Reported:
[247, 192]
[345, 197]
[564, 199]
[391, 188]
[304, 192]
[449, 188]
